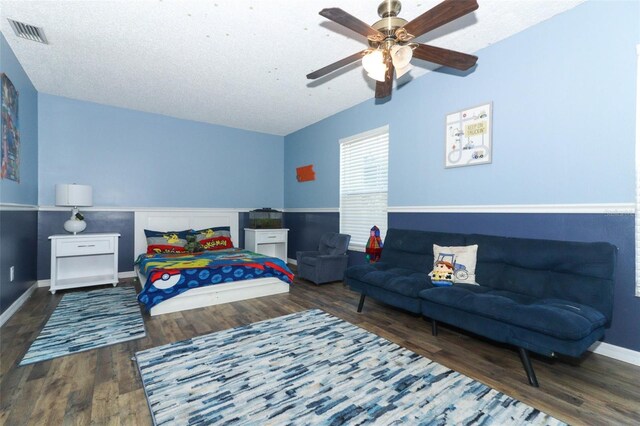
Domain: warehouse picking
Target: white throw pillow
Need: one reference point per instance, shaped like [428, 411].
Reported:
[463, 258]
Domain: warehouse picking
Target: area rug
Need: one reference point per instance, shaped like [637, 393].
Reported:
[87, 320]
[314, 369]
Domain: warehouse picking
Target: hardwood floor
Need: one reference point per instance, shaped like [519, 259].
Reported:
[103, 386]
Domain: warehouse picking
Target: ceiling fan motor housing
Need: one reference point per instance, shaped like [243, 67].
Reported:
[389, 8]
[388, 11]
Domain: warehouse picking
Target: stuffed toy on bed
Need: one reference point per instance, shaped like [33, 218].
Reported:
[193, 246]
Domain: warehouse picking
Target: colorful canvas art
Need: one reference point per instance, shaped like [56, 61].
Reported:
[10, 149]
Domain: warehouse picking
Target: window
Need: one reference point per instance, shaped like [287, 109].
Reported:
[364, 185]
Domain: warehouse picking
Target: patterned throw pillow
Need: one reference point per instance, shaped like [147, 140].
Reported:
[166, 242]
[214, 238]
[454, 265]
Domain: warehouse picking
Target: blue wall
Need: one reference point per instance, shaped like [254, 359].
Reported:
[18, 228]
[25, 191]
[563, 127]
[18, 248]
[563, 132]
[138, 159]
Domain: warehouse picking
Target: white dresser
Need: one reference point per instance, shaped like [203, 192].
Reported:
[83, 260]
[270, 242]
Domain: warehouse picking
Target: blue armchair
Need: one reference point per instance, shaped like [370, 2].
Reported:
[326, 264]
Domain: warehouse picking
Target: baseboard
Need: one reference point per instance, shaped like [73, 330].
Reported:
[292, 261]
[125, 274]
[17, 304]
[616, 352]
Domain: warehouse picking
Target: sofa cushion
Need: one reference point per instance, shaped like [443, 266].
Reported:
[400, 280]
[358, 272]
[555, 317]
[414, 249]
[580, 272]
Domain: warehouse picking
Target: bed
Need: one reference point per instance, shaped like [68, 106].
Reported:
[212, 294]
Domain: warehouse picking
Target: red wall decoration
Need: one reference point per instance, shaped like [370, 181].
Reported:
[305, 173]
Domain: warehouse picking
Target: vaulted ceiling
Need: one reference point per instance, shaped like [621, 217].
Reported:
[238, 63]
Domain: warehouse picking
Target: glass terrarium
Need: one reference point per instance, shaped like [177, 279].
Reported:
[265, 218]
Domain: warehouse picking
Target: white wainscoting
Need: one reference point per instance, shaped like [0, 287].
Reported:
[596, 208]
[18, 207]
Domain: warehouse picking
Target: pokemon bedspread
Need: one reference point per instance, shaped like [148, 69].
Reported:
[168, 275]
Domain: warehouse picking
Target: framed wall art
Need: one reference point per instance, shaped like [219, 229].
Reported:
[305, 173]
[10, 142]
[468, 137]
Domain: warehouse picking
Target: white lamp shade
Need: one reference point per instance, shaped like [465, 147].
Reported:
[401, 56]
[402, 71]
[378, 75]
[74, 195]
[372, 62]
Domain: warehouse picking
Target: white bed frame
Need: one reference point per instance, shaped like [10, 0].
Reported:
[176, 220]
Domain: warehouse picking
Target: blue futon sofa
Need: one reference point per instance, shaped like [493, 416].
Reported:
[543, 296]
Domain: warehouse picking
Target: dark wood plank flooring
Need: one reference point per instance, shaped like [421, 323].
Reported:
[103, 386]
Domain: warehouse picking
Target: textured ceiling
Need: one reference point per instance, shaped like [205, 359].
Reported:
[236, 63]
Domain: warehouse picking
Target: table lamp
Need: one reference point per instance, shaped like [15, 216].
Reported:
[73, 195]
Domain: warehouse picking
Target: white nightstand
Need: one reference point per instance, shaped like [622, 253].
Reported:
[270, 242]
[83, 260]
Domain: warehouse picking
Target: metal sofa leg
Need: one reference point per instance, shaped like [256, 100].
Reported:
[361, 304]
[526, 362]
[434, 327]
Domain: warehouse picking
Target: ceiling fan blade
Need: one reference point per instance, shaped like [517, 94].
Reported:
[383, 88]
[336, 65]
[439, 15]
[446, 57]
[347, 20]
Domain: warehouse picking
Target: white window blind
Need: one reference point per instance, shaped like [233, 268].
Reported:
[638, 172]
[364, 165]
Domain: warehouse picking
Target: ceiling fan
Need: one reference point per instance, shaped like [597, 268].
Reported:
[390, 45]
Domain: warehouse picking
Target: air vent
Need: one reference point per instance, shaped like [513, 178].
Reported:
[28, 31]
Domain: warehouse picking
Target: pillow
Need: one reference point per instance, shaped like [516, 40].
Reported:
[166, 242]
[454, 265]
[214, 238]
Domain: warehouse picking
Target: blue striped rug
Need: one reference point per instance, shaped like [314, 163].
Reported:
[87, 320]
[311, 368]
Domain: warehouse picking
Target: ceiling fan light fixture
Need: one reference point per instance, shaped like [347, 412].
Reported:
[378, 75]
[401, 55]
[391, 41]
[402, 71]
[373, 62]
